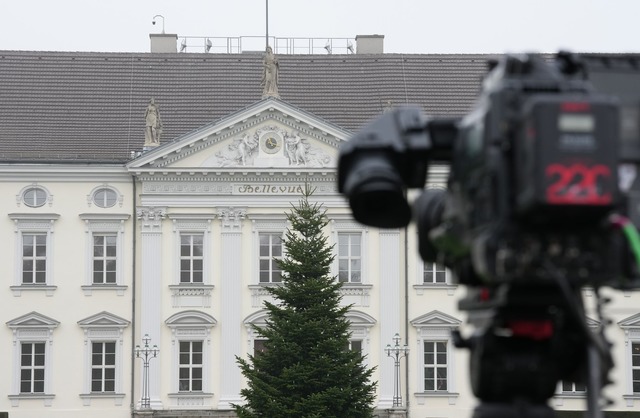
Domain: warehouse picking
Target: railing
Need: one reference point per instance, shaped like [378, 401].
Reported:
[288, 46]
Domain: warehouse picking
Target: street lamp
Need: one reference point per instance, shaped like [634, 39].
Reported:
[396, 352]
[146, 353]
[153, 22]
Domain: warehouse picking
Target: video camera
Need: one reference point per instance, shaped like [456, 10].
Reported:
[536, 207]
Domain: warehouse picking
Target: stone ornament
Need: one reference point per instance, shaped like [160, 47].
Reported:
[296, 151]
[240, 152]
[270, 73]
[272, 140]
[153, 125]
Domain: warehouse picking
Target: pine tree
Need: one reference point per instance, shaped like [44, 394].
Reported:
[306, 369]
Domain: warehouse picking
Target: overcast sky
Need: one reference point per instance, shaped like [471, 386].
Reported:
[409, 26]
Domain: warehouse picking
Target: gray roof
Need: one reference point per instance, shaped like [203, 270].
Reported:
[90, 106]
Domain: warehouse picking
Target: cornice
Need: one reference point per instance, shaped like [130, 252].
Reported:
[64, 172]
[207, 175]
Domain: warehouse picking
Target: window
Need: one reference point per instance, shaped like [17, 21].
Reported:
[103, 367]
[434, 274]
[190, 372]
[103, 353]
[105, 197]
[256, 340]
[635, 367]
[435, 365]
[34, 246]
[631, 328]
[268, 248]
[105, 254]
[360, 325]
[570, 387]
[355, 345]
[32, 360]
[34, 258]
[192, 248]
[435, 361]
[190, 379]
[270, 252]
[103, 357]
[430, 276]
[32, 339]
[349, 257]
[191, 285]
[104, 258]
[350, 243]
[259, 346]
[191, 258]
[34, 197]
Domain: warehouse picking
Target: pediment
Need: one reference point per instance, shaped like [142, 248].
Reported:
[358, 318]
[271, 134]
[33, 320]
[258, 318]
[592, 323]
[630, 322]
[436, 319]
[103, 320]
[191, 319]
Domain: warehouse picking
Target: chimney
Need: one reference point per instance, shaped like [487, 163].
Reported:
[164, 42]
[369, 44]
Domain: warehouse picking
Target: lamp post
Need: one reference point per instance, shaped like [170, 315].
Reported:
[153, 22]
[146, 353]
[396, 352]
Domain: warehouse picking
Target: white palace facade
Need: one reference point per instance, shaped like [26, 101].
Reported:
[175, 242]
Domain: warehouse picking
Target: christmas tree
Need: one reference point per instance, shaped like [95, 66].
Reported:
[306, 369]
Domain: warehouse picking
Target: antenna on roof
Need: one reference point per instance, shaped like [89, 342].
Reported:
[183, 44]
[267, 27]
[328, 47]
[153, 22]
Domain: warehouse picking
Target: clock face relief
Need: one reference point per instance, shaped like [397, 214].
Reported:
[271, 143]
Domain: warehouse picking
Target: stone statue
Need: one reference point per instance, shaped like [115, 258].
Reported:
[246, 147]
[270, 75]
[153, 125]
[295, 149]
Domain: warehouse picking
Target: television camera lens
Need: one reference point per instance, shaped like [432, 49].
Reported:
[376, 193]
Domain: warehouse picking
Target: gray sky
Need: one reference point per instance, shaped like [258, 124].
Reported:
[409, 26]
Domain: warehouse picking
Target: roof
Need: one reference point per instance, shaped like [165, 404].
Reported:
[63, 106]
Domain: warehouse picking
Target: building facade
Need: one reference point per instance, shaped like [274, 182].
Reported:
[118, 229]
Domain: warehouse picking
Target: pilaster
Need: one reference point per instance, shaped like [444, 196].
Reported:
[390, 322]
[151, 293]
[231, 307]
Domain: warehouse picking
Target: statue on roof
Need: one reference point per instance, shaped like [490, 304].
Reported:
[270, 73]
[153, 125]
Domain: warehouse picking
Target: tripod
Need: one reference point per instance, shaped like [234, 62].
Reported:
[528, 338]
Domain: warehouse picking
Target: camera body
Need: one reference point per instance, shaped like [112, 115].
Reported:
[533, 178]
[526, 219]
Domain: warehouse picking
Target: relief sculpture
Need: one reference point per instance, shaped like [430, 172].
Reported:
[239, 152]
[296, 149]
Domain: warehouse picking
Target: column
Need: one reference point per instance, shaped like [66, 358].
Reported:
[390, 309]
[151, 296]
[231, 308]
